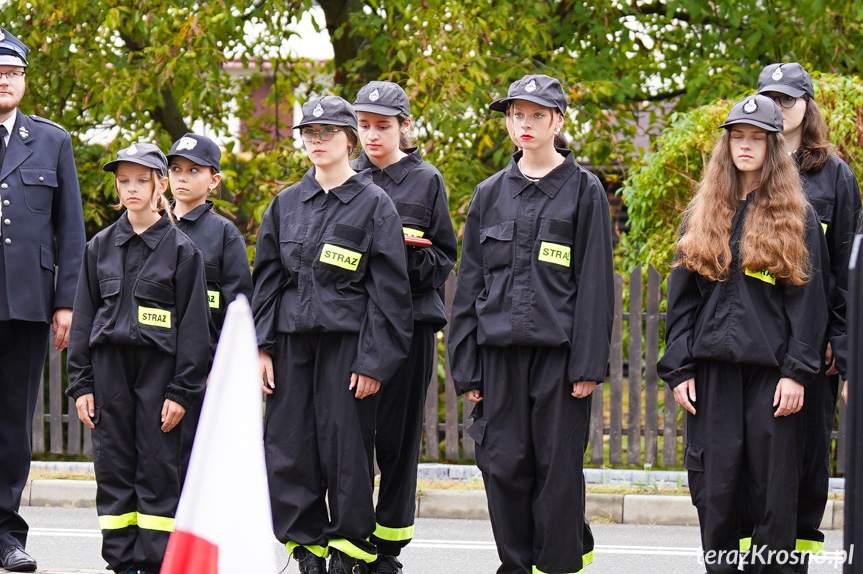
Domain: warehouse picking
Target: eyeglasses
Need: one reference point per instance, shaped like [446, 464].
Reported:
[12, 75]
[326, 134]
[785, 101]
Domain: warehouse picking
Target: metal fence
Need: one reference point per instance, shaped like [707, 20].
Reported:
[633, 403]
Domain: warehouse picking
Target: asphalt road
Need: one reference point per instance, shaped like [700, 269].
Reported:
[68, 538]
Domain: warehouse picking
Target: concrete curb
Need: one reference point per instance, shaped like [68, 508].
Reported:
[663, 509]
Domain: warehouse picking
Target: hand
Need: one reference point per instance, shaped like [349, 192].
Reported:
[829, 359]
[366, 386]
[845, 391]
[474, 396]
[268, 382]
[61, 325]
[172, 413]
[86, 406]
[788, 397]
[583, 389]
[684, 394]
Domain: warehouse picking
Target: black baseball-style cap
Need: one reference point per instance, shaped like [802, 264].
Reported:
[759, 111]
[789, 79]
[328, 110]
[12, 51]
[145, 154]
[537, 88]
[199, 150]
[384, 98]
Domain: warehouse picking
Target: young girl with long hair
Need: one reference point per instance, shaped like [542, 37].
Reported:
[418, 191]
[834, 193]
[332, 306]
[745, 328]
[531, 325]
[140, 296]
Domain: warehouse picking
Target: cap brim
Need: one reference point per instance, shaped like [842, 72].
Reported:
[783, 89]
[500, 105]
[112, 165]
[755, 123]
[192, 158]
[9, 60]
[323, 123]
[377, 109]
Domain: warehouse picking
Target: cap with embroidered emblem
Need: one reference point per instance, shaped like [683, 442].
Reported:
[328, 110]
[384, 98]
[145, 154]
[199, 150]
[537, 88]
[786, 78]
[12, 51]
[759, 111]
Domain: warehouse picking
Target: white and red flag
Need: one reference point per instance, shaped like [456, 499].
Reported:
[223, 523]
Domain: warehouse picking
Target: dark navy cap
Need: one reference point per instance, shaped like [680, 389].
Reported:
[12, 51]
[537, 88]
[145, 154]
[789, 79]
[199, 150]
[385, 98]
[328, 110]
[757, 110]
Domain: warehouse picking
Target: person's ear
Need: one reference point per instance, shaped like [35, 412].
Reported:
[215, 181]
[406, 126]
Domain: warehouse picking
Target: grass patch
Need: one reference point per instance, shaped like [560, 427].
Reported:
[39, 474]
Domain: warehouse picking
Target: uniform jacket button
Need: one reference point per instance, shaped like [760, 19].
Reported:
[41, 178]
[7, 221]
[6, 202]
[8, 241]
[4, 185]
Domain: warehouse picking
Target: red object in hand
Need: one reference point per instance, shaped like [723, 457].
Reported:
[412, 241]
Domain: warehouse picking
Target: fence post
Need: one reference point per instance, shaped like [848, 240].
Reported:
[55, 399]
[633, 451]
[430, 417]
[451, 438]
[651, 380]
[37, 429]
[615, 455]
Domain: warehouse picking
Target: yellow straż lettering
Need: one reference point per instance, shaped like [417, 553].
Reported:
[763, 275]
[555, 253]
[213, 298]
[340, 257]
[154, 317]
[413, 232]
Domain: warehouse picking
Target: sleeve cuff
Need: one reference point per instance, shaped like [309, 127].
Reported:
[179, 399]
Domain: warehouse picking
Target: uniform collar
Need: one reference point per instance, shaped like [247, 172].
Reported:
[198, 211]
[397, 171]
[345, 192]
[151, 237]
[550, 184]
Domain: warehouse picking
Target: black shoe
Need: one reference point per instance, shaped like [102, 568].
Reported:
[387, 565]
[308, 562]
[14, 559]
[341, 563]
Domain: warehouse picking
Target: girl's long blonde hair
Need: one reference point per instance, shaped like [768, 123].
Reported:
[774, 232]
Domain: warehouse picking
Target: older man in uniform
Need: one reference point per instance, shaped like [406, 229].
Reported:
[41, 235]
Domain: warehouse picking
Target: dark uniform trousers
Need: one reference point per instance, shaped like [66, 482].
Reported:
[530, 438]
[733, 440]
[328, 458]
[23, 347]
[398, 439]
[138, 488]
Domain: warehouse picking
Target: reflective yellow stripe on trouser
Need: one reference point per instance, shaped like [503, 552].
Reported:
[394, 534]
[586, 560]
[352, 550]
[319, 551]
[801, 545]
[146, 521]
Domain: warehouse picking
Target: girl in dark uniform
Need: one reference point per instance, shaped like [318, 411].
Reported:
[835, 194]
[332, 306]
[417, 189]
[746, 324]
[529, 339]
[140, 292]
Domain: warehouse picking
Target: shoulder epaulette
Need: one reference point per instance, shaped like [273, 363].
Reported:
[46, 121]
